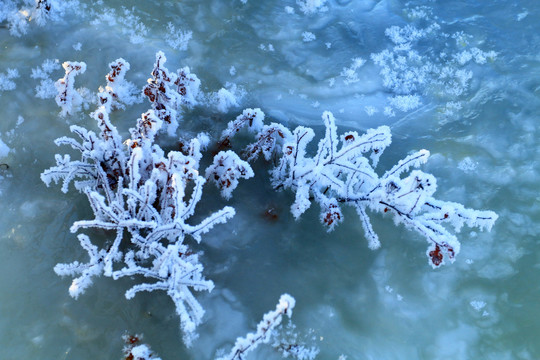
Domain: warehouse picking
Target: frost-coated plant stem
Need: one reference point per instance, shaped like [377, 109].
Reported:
[264, 332]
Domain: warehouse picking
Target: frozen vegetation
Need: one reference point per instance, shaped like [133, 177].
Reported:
[267, 163]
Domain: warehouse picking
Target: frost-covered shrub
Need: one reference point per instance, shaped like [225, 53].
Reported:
[146, 197]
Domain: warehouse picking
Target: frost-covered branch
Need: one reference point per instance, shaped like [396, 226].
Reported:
[121, 91]
[264, 331]
[340, 173]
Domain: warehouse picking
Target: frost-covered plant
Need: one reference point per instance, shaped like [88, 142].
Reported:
[265, 330]
[146, 197]
[339, 174]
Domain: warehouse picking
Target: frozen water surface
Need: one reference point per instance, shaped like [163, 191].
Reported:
[459, 78]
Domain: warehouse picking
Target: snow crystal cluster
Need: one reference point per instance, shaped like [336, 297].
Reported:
[409, 73]
[46, 88]
[6, 80]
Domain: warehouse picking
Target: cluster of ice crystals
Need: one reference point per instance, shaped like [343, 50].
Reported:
[410, 73]
[46, 88]
[350, 73]
[177, 39]
[132, 25]
[311, 6]
[19, 13]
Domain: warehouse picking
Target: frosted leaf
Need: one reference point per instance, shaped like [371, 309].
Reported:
[269, 141]
[134, 350]
[187, 85]
[331, 213]
[121, 91]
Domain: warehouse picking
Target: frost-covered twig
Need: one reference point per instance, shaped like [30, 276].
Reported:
[264, 329]
[122, 92]
[168, 91]
[68, 97]
[19, 13]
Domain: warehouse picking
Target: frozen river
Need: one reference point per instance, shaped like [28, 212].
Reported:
[459, 78]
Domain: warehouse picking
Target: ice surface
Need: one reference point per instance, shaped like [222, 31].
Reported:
[467, 89]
